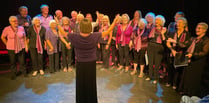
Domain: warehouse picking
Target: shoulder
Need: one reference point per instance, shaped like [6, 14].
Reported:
[21, 28]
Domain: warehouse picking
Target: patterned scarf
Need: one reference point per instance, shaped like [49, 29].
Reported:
[192, 46]
[17, 42]
[156, 31]
[138, 40]
[122, 38]
[38, 40]
[182, 38]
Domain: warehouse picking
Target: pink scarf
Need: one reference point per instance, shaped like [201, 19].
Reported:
[138, 40]
[17, 42]
[152, 35]
[192, 46]
[182, 39]
[122, 38]
[38, 41]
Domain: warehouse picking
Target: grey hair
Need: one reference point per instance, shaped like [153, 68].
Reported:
[183, 19]
[205, 25]
[12, 17]
[162, 18]
[142, 21]
[35, 18]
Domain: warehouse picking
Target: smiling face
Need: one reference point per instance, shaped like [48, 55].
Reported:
[37, 22]
[200, 30]
[125, 19]
[13, 21]
[180, 24]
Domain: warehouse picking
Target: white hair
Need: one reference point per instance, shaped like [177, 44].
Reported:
[35, 18]
[12, 17]
[162, 18]
[51, 21]
[142, 21]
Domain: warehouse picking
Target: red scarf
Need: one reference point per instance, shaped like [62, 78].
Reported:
[182, 38]
[152, 34]
[192, 46]
[138, 40]
[17, 42]
[38, 41]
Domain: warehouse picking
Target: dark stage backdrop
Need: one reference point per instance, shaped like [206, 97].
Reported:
[195, 10]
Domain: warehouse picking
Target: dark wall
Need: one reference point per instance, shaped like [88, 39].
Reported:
[195, 10]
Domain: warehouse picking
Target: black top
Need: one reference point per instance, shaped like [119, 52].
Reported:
[32, 36]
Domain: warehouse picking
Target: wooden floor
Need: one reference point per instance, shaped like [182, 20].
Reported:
[112, 87]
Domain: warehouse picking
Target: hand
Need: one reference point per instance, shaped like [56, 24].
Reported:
[189, 55]
[173, 52]
[56, 19]
[116, 46]
[163, 30]
[113, 38]
[107, 47]
[26, 49]
[98, 45]
[117, 18]
[171, 40]
[68, 46]
[51, 49]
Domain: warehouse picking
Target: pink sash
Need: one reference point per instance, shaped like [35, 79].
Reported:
[38, 41]
[138, 40]
[17, 42]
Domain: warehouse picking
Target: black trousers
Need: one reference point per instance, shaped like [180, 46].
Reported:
[123, 55]
[105, 55]
[20, 57]
[66, 56]
[86, 87]
[114, 54]
[37, 59]
[155, 55]
[54, 62]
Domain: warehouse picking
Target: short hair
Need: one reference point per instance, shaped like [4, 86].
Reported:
[205, 25]
[142, 21]
[51, 21]
[162, 18]
[180, 13]
[44, 5]
[12, 17]
[35, 18]
[67, 18]
[85, 26]
[126, 16]
[22, 7]
[151, 14]
[183, 19]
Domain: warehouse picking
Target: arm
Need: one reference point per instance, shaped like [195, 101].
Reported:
[109, 41]
[50, 45]
[203, 52]
[111, 27]
[4, 40]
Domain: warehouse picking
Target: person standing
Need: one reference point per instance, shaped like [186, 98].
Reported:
[36, 38]
[85, 44]
[14, 38]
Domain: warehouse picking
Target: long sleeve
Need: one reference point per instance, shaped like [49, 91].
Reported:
[204, 51]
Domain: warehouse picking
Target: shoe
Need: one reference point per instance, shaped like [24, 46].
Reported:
[70, 69]
[65, 69]
[167, 85]
[34, 73]
[118, 69]
[133, 72]
[147, 79]
[174, 87]
[126, 70]
[41, 72]
[141, 75]
[154, 82]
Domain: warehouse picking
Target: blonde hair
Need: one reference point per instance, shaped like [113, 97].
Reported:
[161, 18]
[126, 16]
[106, 17]
[51, 21]
[80, 15]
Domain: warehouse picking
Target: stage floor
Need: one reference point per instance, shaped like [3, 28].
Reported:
[112, 87]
